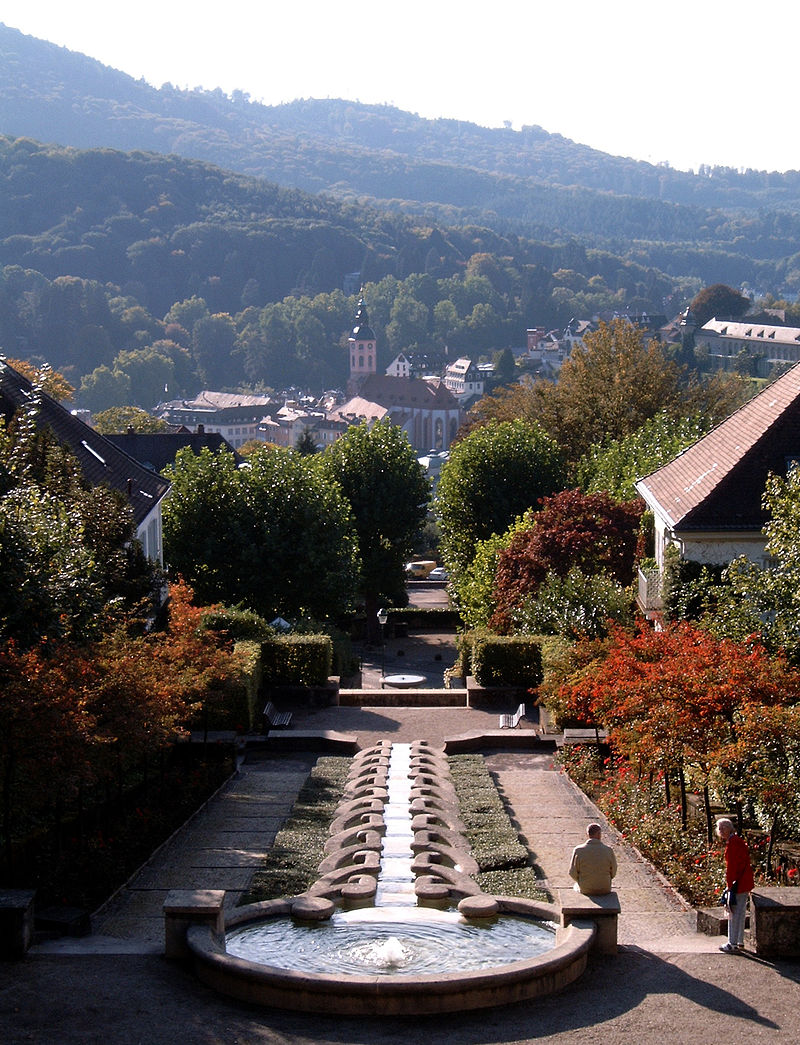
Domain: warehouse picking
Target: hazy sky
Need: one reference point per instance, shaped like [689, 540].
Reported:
[679, 82]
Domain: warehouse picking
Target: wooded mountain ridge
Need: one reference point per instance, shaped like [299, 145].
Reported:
[133, 270]
[717, 224]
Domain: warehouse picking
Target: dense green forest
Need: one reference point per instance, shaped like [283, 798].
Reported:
[175, 238]
[538, 184]
[164, 271]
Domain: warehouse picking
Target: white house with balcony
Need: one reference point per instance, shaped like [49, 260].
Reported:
[707, 501]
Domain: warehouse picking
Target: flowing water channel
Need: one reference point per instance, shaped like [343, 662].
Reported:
[396, 936]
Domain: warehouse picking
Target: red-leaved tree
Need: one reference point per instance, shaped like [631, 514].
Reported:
[679, 698]
[587, 530]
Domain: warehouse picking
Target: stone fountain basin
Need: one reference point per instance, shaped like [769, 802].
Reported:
[411, 995]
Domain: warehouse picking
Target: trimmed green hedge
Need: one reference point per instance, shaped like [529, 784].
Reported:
[507, 660]
[505, 865]
[234, 704]
[296, 660]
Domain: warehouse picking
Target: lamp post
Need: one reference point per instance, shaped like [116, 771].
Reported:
[383, 616]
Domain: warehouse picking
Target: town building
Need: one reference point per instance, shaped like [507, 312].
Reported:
[768, 346]
[233, 415]
[423, 407]
[707, 501]
[101, 462]
[464, 380]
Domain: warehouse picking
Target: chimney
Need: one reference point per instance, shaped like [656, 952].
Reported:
[201, 429]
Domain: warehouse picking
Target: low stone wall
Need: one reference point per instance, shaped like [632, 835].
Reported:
[403, 698]
[775, 921]
[329, 740]
[504, 739]
[16, 922]
[496, 698]
[290, 697]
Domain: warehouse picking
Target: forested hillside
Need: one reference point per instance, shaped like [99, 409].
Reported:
[717, 224]
[136, 270]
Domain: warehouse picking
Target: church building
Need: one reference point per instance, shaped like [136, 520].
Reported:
[423, 407]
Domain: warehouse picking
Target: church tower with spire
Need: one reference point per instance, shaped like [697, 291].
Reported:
[363, 350]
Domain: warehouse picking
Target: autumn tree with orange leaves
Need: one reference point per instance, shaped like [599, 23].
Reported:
[684, 702]
[75, 715]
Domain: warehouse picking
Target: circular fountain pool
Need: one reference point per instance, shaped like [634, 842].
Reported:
[389, 990]
[421, 942]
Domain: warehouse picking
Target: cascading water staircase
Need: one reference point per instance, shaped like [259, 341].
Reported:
[396, 922]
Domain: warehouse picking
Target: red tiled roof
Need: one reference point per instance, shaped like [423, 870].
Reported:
[407, 393]
[718, 482]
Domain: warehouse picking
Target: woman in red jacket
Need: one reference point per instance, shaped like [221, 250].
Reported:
[739, 882]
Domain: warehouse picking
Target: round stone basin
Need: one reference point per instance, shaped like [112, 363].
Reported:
[402, 681]
[387, 942]
[374, 971]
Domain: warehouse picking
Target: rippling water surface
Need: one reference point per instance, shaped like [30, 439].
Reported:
[410, 946]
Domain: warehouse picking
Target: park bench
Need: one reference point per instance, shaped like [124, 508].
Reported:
[275, 719]
[512, 721]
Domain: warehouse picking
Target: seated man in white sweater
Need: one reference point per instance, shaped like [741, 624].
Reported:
[593, 864]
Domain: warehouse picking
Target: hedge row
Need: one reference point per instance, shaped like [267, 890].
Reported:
[301, 660]
[499, 660]
[296, 660]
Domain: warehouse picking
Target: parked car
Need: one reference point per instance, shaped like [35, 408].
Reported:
[438, 573]
[419, 570]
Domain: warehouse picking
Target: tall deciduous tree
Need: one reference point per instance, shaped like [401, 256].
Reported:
[118, 419]
[718, 300]
[276, 535]
[388, 494]
[610, 385]
[492, 476]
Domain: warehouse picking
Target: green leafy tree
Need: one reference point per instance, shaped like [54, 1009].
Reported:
[610, 385]
[388, 493]
[206, 533]
[149, 372]
[66, 550]
[614, 466]
[213, 339]
[575, 606]
[276, 535]
[306, 443]
[476, 600]
[408, 325]
[104, 388]
[718, 300]
[492, 476]
[752, 599]
[504, 367]
[118, 419]
[306, 545]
